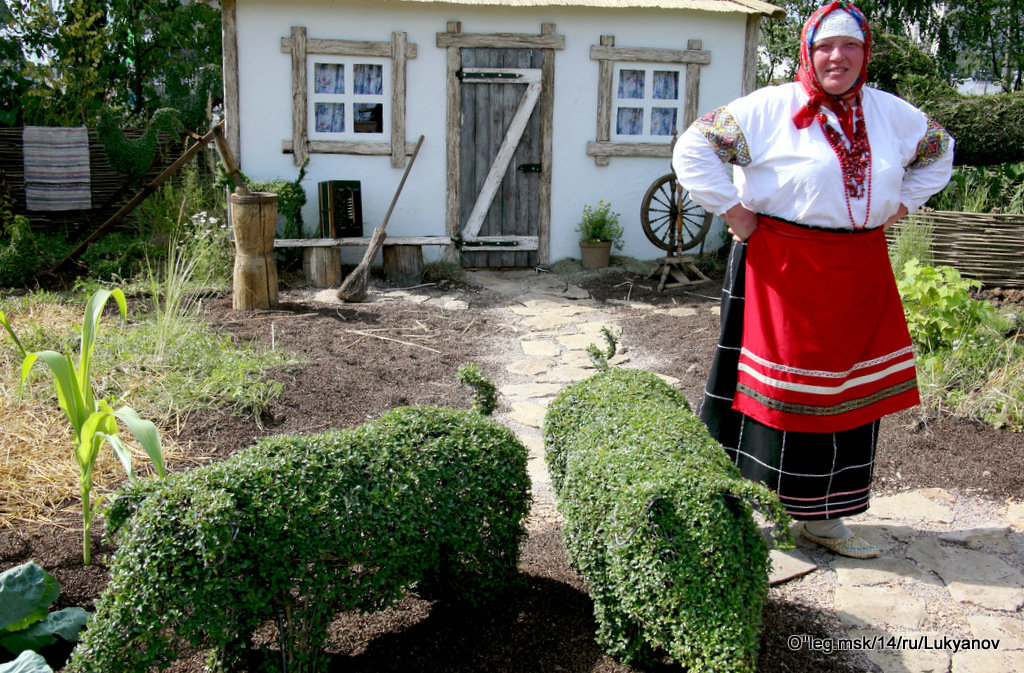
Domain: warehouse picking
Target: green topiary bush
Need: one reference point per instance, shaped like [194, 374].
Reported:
[658, 522]
[296, 529]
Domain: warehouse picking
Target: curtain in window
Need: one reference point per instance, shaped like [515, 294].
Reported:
[631, 83]
[368, 79]
[329, 78]
[330, 118]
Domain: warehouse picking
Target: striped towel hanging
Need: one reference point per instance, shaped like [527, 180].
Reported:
[56, 168]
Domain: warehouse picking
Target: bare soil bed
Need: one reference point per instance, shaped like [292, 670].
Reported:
[361, 360]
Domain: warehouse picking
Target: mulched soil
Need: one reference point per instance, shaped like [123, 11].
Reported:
[356, 367]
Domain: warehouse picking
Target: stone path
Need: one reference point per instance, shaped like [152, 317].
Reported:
[948, 587]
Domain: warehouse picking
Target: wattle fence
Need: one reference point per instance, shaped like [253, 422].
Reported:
[987, 247]
[109, 189]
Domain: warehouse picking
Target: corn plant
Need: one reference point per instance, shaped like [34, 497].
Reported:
[93, 421]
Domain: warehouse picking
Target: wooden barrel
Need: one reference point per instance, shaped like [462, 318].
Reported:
[254, 220]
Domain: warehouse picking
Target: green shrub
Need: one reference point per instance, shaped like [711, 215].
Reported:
[117, 256]
[988, 129]
[19, 253]
[658, 522]
[969, 355]
[940, 310]
[298, 528]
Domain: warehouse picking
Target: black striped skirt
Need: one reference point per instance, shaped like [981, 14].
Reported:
[816, 475]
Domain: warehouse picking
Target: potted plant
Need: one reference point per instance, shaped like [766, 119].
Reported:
[599, 230]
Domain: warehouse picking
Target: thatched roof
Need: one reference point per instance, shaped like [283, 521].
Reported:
[731, 6]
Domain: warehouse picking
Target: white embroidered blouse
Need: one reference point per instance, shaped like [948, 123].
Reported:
[794, 174]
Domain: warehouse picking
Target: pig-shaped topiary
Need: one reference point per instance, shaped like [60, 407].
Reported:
[659, 523]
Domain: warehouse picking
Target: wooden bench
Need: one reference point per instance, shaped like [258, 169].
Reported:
[321, 257]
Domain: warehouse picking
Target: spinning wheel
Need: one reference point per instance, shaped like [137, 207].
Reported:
[674, 223]
[670, 219]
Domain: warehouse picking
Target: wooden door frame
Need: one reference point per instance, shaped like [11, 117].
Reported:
[454, 40]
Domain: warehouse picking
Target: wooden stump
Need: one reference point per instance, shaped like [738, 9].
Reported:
[322, 266]
[403, 264]
[254, 219]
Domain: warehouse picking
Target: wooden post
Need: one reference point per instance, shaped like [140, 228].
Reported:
[254, 219]
[403, 264]
[322, 266]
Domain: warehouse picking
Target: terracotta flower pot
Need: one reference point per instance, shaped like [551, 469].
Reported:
[595, 255]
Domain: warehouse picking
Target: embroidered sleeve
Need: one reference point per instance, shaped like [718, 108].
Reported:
[933, 145]
[724, 133]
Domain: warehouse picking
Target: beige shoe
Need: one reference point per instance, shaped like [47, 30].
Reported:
[854, 547]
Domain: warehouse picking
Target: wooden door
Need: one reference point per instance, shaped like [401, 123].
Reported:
[500, 157]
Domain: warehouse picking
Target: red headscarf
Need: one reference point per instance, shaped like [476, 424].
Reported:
[809, 79]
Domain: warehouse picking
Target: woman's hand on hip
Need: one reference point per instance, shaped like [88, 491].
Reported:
[901, 212]
[742, 221]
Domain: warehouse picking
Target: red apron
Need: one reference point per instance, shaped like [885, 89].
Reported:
[825, 342]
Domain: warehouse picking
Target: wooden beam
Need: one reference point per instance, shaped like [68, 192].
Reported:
[547, 110]
[605, 73]
[323, 47]
[610, 149]
[300, 111]
[398, 70]
[359, 241]
[500, 41]
[640, 54]
[691, 105]
[229, 50]
[753, 37]
[453, 135]
[347, 147]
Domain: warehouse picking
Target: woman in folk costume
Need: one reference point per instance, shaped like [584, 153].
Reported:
[814, 346]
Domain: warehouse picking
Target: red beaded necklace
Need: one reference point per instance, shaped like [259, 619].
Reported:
[855, 161]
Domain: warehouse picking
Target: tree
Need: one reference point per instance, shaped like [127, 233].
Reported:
[990, 35]
[963, 37]
[67, 60]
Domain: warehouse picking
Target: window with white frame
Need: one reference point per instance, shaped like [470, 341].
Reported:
[349, 97]
[647, 101]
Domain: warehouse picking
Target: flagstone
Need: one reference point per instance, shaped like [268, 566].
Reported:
[890, 657]
[876, 571]
[1015, 515]
[530, 366]
[911, 505]
[550, 321]
[568, 374]
[528, 413]
[972, 576]
[595, 327]
[540, 348]
[530, 390]
[787, 565]
[1009, 631]
[995, 538]
[988, 661]
[867, 605]
[580, 342]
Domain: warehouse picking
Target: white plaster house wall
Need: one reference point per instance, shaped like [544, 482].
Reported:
[265, 106]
